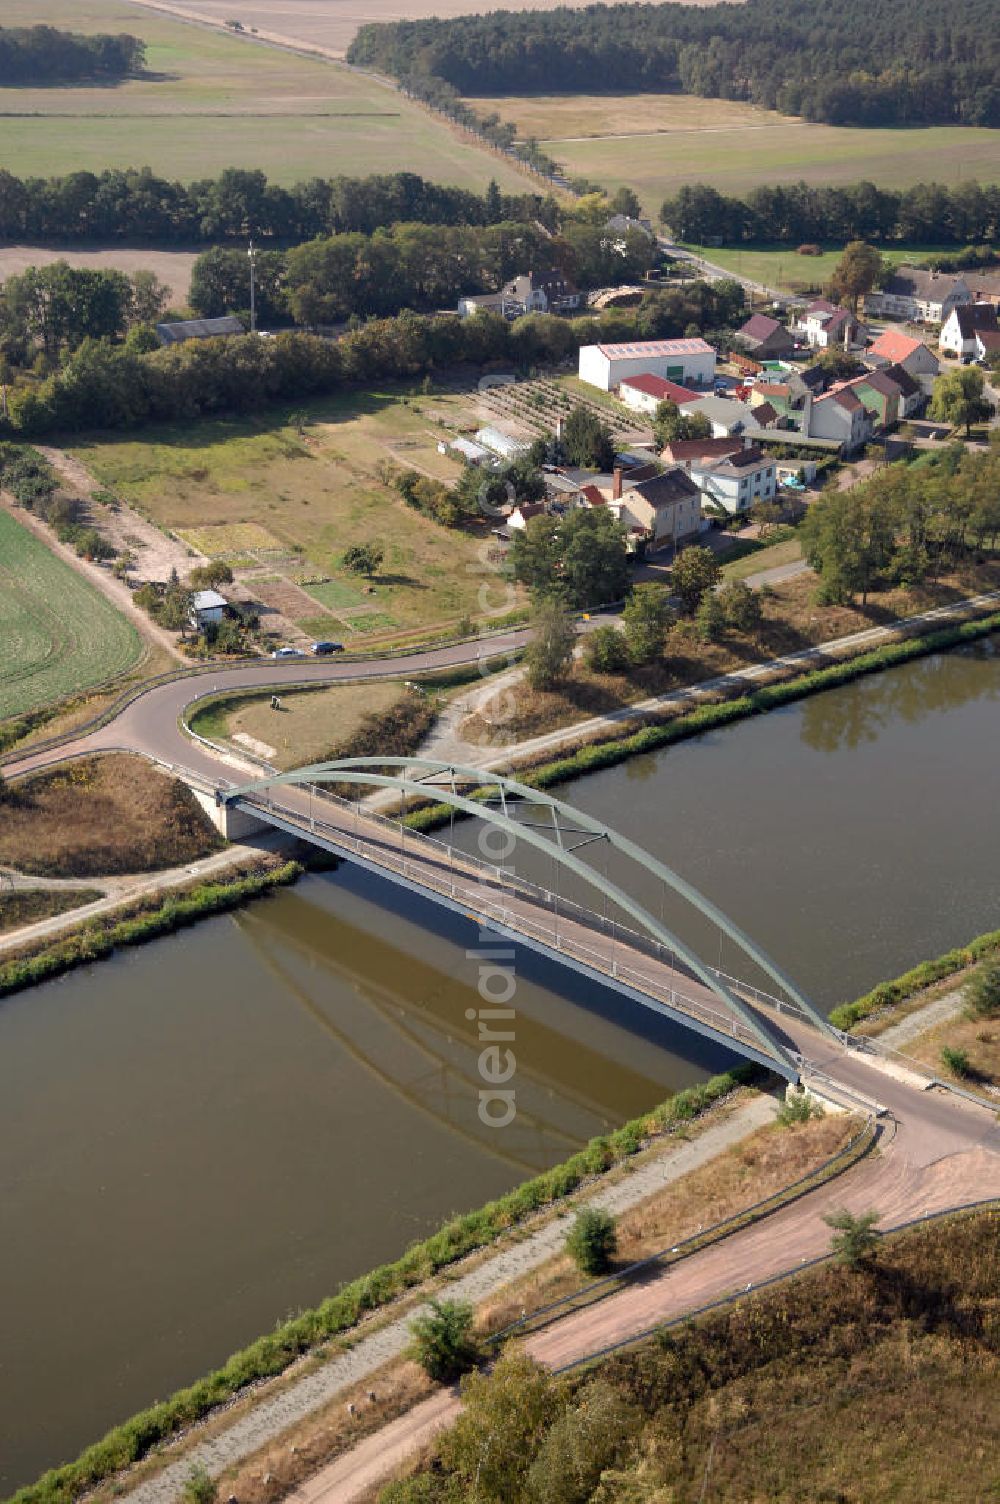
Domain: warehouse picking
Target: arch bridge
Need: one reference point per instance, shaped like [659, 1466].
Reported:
[622, 943]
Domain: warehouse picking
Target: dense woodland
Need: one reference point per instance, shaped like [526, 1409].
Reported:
[134, 205]
[43, 55]
[862, 62]
[105, 383]
[796, 214]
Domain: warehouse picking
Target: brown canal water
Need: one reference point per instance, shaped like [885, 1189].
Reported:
[205, 1134]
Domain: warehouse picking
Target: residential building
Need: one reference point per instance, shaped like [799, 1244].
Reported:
[959, 330]
[481, 302]
[984, 286]
[839, 415]
[523, 513]
[914, 292]
[738, 481]
[824, 325]
[549, 293]
[765, 338]
[912, 397]
[644, 393]
[880, 395]
[724, 414]
[621, 224]
[987, 344]
[207, 607]
[691, 362]
[183, 329]
[688, 452]
[666, 509]
[896, 348]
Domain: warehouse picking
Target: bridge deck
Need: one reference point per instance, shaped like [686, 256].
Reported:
[630, 963]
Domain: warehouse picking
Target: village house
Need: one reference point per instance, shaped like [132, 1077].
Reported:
[839, 415]
[987, 344]
[691, 362]
[688, 452]
[736, 482]
[914, 292]
[984, 286]
[208, 608]
[765, 338]
[880, 395]
[622, 224]
[896, 348]
[523, 513]
[664, 510]
[644, 393]
[960, 328]
[724, 414]
[549, 293]
[824, 325]
[912, 397]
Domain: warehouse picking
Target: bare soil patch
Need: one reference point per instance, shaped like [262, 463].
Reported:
[172, 267]
[102, 816]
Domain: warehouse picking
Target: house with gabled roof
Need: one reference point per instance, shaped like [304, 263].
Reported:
[912, 397]
[896, 348]
[765, 338]
[737, 482]
[839, 415]
[916, 292]
[645, 392]
[825, 325]
[666, 508]
[959, 330]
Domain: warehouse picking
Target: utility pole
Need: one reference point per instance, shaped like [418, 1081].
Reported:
[252, 255]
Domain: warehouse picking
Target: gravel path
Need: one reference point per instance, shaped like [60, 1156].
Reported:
[925, 1018]
[273, 1416]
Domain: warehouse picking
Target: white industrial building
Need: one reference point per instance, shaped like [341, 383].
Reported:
[691, 362]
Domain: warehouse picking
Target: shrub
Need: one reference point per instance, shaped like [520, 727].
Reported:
[605, 651]
[592, 1241]
[956, 1061]
[982, 993]
[798, 1107]
[200, 1487]
[443, 1344]
[854, 1238]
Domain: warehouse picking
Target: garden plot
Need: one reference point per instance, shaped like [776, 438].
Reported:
[531, 409]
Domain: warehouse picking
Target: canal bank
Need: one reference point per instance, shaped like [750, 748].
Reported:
[849, 833]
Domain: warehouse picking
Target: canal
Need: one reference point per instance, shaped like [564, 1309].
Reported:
[203, 1135]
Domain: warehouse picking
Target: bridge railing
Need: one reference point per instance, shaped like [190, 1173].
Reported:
[464, 879]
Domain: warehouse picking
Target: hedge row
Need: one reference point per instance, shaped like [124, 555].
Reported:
[592, 758]
[95, 940]
[925, 975]
[270, 1354]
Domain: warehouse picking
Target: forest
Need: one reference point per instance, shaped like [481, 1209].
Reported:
[865, 62]
[796, 213]
[44, 55]
[134, 206]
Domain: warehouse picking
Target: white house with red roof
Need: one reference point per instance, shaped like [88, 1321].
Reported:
[960, 328]
[690, 362]
[896, 348]
[644, 393]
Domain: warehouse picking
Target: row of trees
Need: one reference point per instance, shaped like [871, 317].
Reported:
[868, 62]
[962, 213]
[44, 55]
[904, 525]
[133, 205]
[105, 385]
[409, 266]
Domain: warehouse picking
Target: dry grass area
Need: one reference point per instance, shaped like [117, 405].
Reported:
[27, 907]
[311, 726]
[750, 1171]
[978, 1037]
[792, 621]
[102, 816]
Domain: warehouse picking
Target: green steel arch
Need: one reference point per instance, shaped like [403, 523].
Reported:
[418, 777]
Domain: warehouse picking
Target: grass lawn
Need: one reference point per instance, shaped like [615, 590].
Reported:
[780, 266]
[310, 726]
[58, 634]
[214, 100]
[656, 142]
[979, 1038]
[29, 906]
[101, 816]
[284, 507]
[786, 551]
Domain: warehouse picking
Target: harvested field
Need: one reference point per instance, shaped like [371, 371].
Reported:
[103, 816]
[212, 100]
[172, 267]
[59, 634]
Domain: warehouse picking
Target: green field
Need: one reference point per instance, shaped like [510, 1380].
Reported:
[282, 508]
[780, 266]
[214, 100]
[656, 142]
[59, 635]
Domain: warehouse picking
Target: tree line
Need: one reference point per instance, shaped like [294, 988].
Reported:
[103, 384]
[48, 310]
[863, 62]
[409, 266]
[965, 214]
[135, 205]
[45, 55]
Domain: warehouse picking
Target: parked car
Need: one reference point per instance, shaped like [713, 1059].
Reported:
[321, 649]
[288, 653]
